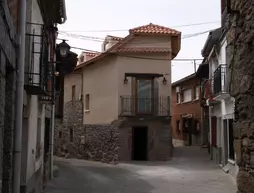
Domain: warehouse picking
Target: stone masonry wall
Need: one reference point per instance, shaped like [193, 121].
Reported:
[2, 104]
[159, 147]
[240, 54]
[99, 143]
[7, 94]
[91, 142]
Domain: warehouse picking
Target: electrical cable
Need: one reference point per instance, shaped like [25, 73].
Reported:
[101, 39]
[119, 30]
[175, 60]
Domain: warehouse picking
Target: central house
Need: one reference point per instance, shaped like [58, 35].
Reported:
[117, 104]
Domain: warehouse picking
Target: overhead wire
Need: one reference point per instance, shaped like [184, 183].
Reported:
[122, 30]
[101, 39]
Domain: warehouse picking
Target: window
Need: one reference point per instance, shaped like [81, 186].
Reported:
[38, 139]
[178, 97]
[73, 92]
[187, 95]
[197, 126]
[81, 59]
[87, 102]
[196, 93]
[71, 135]
[60, 134]
[144, 96]
[178, 128]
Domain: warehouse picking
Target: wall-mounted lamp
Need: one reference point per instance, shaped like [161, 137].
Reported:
[164, 81]
[125, 80]
[64, 48]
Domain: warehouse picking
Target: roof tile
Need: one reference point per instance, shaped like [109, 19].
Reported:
[144, 50]
[154, 29]
[115, 37]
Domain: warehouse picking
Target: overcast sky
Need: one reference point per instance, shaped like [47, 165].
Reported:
[98, 18]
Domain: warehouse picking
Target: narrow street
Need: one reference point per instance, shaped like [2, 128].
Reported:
[190, 171]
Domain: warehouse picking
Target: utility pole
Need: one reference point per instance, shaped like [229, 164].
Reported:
[19, 96]
[195, 67]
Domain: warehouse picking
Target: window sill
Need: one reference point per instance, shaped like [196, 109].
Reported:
[86, 111]
[231, 161]
[186, 102]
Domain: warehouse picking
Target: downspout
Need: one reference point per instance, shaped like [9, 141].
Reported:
[52, 124]
[19, 97]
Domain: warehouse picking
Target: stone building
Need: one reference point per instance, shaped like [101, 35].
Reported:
[117, 104]
[186, 112]
[240, 54]
[8, 57]
[37, 97]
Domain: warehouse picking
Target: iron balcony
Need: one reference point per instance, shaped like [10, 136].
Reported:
[143, 106]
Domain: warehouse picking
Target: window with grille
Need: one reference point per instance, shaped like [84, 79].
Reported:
[71, 135]
[73, 92]
[178, 128]
[87, 102]
[178, 98]
[196, 93]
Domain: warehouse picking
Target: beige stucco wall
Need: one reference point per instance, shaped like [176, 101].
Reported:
[100, 82]
[150, 41]
[134, 65]
[104, 79]
[69, 81]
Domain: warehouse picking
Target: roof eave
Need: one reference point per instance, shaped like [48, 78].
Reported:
[184, 79]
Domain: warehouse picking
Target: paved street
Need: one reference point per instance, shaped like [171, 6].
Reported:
[190, 171]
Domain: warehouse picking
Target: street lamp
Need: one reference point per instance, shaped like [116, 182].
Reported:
[64, 48]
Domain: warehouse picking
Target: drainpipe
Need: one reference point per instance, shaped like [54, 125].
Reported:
[19, 97]
[52, 124]
[51, 135]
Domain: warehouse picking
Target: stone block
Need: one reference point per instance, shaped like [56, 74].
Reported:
[245, 182]
[246, 142]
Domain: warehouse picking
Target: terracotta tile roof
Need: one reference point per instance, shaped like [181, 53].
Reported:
[143, 50]
[146, 29]
[115, 37]
[154, 29]
[92, 54]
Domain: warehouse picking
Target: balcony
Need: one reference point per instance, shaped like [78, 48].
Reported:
[140, 106]
[207, 94]
[220, 83]
[38, 70]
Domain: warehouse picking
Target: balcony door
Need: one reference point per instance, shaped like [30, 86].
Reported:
[144, 95]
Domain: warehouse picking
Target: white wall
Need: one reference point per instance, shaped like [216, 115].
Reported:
[225, 108]
[222, 53]
[33, 108]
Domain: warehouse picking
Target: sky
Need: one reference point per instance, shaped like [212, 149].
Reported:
[98, 18]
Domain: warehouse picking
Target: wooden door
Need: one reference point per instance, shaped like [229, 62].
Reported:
[214, 131]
